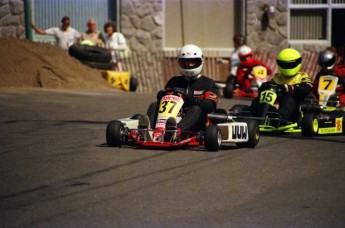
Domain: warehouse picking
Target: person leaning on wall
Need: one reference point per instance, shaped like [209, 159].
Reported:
[65, 35]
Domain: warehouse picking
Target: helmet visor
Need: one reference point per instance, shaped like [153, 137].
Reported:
[189, 63]
[289, 64]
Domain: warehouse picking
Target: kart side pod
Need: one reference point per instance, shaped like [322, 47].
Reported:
[234, 132]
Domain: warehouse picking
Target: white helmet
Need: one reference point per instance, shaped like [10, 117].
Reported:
[190, 60]
[244, 52]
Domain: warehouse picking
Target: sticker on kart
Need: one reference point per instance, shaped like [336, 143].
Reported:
[331, 126]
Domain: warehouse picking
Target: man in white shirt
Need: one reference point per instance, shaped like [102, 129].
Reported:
[65, 36]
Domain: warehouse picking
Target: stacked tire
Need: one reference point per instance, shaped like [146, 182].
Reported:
[95, 57]
[98, 58]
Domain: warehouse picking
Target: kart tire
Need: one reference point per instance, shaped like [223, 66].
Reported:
[310, 125]
[213, 138]
[90, 53]
[228, 90]
[114, 133]
[253, 134]
[133, 84]
[135, 116]
[99, 66]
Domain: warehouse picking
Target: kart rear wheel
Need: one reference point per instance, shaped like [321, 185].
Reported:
[253, 134]
[310, 125]
[213, 138]
[115, 133]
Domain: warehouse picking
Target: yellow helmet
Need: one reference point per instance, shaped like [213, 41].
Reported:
[289, 62]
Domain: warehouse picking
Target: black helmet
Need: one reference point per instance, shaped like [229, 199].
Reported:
[327, 59]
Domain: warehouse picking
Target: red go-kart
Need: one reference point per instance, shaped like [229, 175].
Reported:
[220, 127]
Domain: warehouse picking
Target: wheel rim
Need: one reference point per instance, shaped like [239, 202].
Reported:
[257, 134]
[219, 138]
[315, 125]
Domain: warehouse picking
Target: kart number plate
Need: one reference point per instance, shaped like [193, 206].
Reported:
[327, 87]
[260, 72]
[170, 106]
[268, 97]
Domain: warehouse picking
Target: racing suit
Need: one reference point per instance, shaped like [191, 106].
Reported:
[299, 88]
[340, 90]
[244, 70]
[201, 98]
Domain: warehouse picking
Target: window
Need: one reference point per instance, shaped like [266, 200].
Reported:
[317, 21]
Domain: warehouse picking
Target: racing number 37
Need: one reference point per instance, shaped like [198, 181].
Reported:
[165, 105]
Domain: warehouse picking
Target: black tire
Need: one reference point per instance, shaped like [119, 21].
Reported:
[213, 138]
[114, 133]
[310, 124]
[135, 116]
[133, 84]
[228, 90]
[90, 53]
[100, 66]
[253, 134]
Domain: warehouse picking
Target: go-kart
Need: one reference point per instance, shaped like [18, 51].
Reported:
[220, 127]
[324, 116]
[231, 89]
[266, 112]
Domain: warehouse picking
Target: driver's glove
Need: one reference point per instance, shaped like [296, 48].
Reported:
[288, 88]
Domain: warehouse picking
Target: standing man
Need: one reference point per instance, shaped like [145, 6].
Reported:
[92, 34]
[65, 36]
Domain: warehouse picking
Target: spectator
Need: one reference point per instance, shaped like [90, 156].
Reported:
[239, 41]
[65, 36]
[115, 42]
[92, 34]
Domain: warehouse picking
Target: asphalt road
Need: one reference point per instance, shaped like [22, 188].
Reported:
[56, 171]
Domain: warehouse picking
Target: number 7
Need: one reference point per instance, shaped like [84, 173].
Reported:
[173, 106]
[329, 82]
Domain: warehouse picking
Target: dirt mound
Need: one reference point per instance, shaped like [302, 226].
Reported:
[26, 64]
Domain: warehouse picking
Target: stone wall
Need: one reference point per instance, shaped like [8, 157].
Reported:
[267, 32]
[12, 20]
[142, 24]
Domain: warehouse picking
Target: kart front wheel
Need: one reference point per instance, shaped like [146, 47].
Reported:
[213, 138]
[115, 133]
[310, 125]
[253, 134]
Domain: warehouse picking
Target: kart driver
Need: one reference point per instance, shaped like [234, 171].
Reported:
[296, 85]
[327, 61]
[244, 76]
[201, 94]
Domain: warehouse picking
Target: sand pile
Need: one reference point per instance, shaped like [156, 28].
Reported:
[26, 64]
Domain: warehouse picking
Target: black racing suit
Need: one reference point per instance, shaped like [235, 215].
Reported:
[201, 99]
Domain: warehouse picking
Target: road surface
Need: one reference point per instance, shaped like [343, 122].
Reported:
[57, 171]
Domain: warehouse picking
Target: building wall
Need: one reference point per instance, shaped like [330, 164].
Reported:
[12, 20]
[141, 22]
[273, 36]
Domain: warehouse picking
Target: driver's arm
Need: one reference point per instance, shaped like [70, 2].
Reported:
[210, 101]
